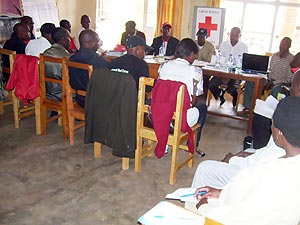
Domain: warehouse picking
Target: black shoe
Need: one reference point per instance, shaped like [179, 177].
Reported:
[234, 101]
[222, 100]
[200, 153]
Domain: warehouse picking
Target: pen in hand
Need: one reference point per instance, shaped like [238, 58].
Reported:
[199, 193]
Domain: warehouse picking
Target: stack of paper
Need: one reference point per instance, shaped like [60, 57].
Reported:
[167, 213]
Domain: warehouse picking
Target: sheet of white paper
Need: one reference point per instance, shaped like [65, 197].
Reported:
[167, 213]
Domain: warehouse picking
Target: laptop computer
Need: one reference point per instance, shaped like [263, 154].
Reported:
[254, 64]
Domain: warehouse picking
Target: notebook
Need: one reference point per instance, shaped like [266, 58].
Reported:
[255, 64]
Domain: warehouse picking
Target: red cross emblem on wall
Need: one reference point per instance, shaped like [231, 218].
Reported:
[208, 25]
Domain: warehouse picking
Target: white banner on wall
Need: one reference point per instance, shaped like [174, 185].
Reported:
[212, 19]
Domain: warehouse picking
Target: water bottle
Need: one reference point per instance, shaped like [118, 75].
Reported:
[230, 63]
[239, 64]
[161, 51]
[218, 60]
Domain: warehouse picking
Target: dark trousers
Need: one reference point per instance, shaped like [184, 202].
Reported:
[202, 108]
[261, 131]
[233, 85]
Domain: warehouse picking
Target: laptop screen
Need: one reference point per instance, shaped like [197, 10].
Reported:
[255, 63]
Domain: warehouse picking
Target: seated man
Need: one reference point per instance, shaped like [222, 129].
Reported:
[131, 31]
[257, 194]
[280, 72]
[180, 69]
[16, 43]
[166, 41]
[206, 48]
[85, 21]
[61, 38]
[29, 22]
[133, 61]
[233, 47]
[67, 25]
[37, 46]
[87, 54]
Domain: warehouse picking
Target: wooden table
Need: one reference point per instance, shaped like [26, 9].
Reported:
[257, 90]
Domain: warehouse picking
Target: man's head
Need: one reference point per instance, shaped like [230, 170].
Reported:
[136, 46]
[187, 49]
[28, 21]
[61, 36]
[89, 39]
[21, 30]
[202, 35]
[130, 27]
[235, 34]
[166, 29]
[284, 46]
[85, 21]
[65, 24]
[47, 29]
[286, 123]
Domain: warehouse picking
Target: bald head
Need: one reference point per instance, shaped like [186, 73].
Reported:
[21, 30]
[89, 39]
[28, 21]
[85, 21]
[235, 34]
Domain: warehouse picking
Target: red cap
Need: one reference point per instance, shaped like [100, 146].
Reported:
[165, 24]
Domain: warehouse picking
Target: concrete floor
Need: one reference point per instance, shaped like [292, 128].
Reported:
[46, 181]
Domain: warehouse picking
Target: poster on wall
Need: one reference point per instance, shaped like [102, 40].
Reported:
[213, 20]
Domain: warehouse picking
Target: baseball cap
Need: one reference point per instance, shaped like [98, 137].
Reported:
[202, 32]
[166, 24]
[135, 41]
[47, 28]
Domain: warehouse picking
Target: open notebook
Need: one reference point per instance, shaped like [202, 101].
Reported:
[167, 213]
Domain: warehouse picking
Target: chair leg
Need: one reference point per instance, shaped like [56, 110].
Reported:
[1, 107]
[209, 96]
[125, 163]
[138, 155]
[43, 117]
[173, 170]
[97, 149]
[60, 119]
[16, 106]
[37, 111]
[71, 129]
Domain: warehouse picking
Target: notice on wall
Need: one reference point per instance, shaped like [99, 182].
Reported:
[42, 11]
[213, 20]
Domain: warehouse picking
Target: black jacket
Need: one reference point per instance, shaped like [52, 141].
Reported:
[110, 111]
[171, 47]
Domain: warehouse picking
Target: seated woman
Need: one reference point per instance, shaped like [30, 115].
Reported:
[181, 69]
[267, 193]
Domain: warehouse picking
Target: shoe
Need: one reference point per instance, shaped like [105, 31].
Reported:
[166, 150]
[200, 153]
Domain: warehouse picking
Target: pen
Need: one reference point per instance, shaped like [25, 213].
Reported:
[188, 195]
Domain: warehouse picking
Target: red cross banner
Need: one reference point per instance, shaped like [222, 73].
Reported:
[211, 19]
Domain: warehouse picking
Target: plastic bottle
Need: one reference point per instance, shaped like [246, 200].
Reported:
[218, 60]
[230, 63]
[161, 51]
[239, 64]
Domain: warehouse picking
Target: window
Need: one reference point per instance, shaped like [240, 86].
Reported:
[113, 14]
[264, 23]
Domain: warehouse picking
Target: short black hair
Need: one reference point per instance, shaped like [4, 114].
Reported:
[59, 34]
[130, 22]
[63, 23]
[185, 48]
[286, 118]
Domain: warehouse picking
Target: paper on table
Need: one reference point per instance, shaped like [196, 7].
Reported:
[169, 214]
[183, 194]
[199, 63]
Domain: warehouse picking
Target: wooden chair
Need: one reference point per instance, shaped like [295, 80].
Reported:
[74, 110]
[177, 140]
[59, 106]
[28, 74]
[11, 55]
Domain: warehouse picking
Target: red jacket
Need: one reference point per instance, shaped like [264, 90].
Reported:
[24, 78]
[163, 106]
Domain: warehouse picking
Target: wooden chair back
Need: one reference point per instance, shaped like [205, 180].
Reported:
[11, 55]
[177, 140]
[59, 106]
[74, 110]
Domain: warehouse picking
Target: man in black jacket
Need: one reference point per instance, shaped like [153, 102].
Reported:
[166, 41]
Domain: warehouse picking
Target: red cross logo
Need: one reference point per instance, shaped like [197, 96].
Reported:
[208, 25]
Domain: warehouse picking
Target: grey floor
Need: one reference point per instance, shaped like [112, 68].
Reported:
[44, 180]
